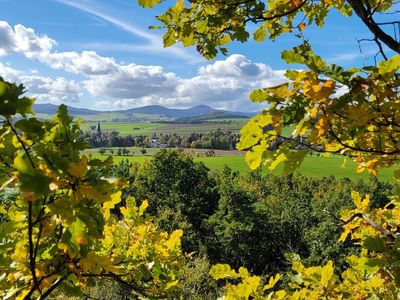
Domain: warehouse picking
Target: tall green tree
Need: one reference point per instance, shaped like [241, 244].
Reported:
[180, 193]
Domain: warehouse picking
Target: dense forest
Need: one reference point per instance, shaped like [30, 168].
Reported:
[253, 220]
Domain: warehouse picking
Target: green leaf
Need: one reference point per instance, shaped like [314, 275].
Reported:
[291, 57]
[78, 233]
[72, 291]
[201, 26]
[260, 34]
[374, 244]
[31, 180]
[10, 101]
[259, 95]
[149, 3]
[294, 161]
[169, 38]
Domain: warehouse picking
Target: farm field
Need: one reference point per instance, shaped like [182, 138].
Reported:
[126, 128]
[313, 166]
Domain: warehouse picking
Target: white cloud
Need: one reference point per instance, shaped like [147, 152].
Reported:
[227, 83]
[132, 81]
[21, 39]
[124, 103]
[44, 89]
[29, 43]
[8, 73]
[236, 65]
[86, 62]
[54, 90]
[221, 84]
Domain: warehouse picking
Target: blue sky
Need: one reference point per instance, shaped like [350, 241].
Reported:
[100, 55]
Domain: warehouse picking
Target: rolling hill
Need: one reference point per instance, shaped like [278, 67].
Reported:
[151, 113]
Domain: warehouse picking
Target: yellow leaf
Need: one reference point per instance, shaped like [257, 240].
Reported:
[143, 207]
[332, 147]
[322, 125]
[277, 160]
[364, 205]
[225, 39]
[326, 274]
[272, 281]
[171, 284]
[344, 235]
[20, 254]
[253, 159]
[108, 205]
[220, 271]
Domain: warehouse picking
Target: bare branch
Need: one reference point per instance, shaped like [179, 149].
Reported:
[366, 16]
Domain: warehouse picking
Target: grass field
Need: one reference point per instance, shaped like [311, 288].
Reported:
[313, 166]
[125, 128]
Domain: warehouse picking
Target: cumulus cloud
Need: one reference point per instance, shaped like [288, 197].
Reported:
[236, 65]
[222, 84]
[24, 40]
[53, 90]
[8, 73]
[44, 89]
[124, 103]
[132, 81]
[86, 62]
[21, 39]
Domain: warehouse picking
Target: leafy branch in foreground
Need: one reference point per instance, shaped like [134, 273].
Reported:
[352, 112]
[59, 232]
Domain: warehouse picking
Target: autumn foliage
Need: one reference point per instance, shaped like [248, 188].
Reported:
[56, 227]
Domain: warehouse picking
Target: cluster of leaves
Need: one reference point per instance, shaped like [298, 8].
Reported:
[363, 122]
[56, 228]
[212, 24]
[372, 274]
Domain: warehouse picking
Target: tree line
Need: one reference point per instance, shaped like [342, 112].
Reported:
[217, 139]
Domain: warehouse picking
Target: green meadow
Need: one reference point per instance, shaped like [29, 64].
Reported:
[313, 166]
[126, 128]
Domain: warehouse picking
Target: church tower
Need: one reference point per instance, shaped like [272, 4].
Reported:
[98, 128]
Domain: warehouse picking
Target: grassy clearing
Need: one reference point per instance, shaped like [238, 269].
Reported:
[313, 166]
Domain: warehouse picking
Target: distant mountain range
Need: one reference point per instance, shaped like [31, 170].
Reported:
[146, 113]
